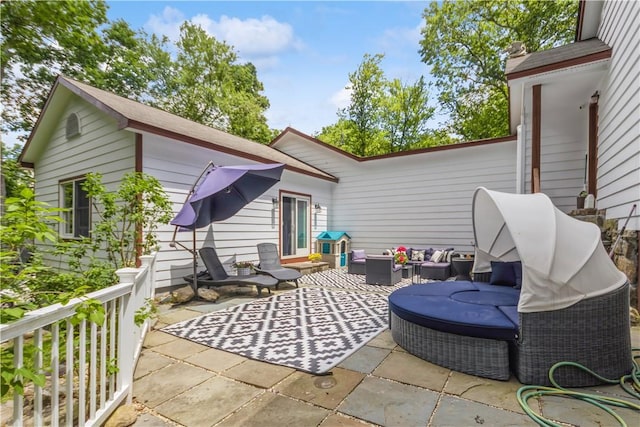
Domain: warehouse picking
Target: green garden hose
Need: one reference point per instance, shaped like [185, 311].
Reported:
[629, 383]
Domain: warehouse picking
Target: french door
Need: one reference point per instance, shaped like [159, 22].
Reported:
[295, 225]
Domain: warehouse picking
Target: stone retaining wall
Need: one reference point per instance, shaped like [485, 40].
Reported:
[625, 256]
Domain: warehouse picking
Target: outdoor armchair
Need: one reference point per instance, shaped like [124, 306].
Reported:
[270, 264]
[382, 270]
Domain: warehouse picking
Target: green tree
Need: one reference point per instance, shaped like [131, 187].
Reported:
[383, 116]
[367, 85]
[39, 40]
[14, 177]
[405, 112]
[207, 85]
[464, 42]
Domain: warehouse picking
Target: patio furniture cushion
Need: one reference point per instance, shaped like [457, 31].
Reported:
[506, 273]
[417, 255]
[435, 270]
[458, 308]
[359, 254]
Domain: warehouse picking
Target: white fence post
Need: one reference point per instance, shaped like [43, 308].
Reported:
[126, 341]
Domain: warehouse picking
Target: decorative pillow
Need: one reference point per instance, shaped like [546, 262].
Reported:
[502, 274]
[436, 256]
[358, 254]
[517, 269]
[417, 255]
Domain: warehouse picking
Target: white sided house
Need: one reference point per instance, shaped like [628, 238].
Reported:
[575, 122]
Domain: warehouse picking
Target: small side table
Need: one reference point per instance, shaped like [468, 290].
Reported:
[417, 274]
[406, 271]
[462, 266]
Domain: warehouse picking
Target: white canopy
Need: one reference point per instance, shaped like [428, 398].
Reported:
[563, 259]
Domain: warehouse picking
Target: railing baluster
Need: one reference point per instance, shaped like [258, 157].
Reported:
[93, 361]
[37, 367]
[18, 361]
[112, 343]
[70, 373]
[82, 373]
[104, 360]
[55, 374]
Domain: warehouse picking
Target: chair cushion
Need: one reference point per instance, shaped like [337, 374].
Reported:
[358, 254]
[457, 307]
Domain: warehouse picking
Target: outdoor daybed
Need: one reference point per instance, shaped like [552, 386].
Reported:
[573, 304]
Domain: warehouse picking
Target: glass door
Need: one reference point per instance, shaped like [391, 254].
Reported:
[295, 226]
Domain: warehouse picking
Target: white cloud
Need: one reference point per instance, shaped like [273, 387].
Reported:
[259, 40]
[256, 37]
[392, 37]
[341, 98]
[167, 24]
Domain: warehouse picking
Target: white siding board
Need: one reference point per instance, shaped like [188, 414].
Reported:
[419, 200]
[619, 132]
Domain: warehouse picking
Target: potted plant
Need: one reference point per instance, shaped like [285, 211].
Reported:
[315, 257]
[243, 267]
[580, 199]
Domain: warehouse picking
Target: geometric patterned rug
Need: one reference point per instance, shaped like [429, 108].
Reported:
[340, 279]
[309, 329]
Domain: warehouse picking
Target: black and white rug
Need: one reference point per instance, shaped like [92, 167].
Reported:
[309, 329]
[340, 279]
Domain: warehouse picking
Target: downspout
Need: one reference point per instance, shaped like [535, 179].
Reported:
[521, 148]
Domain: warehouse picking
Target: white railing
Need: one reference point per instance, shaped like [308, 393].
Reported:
[88, 367]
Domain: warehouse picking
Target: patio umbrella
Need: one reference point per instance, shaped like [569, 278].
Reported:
[224, 190]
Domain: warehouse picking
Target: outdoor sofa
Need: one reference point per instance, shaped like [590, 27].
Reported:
[475, 328]
[439, 269]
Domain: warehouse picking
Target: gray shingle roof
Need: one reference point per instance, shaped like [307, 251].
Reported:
[132, 114]
[527, 64]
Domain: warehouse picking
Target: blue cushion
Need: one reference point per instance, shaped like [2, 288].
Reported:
[502, 274]
[435, 306]
[511, 311]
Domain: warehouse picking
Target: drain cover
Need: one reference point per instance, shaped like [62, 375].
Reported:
[325, 382]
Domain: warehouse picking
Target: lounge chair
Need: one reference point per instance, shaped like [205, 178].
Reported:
[216, 275]
[270, 265]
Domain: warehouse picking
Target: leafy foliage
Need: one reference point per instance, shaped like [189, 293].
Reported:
[464, 43]
[129, 216]
[384, 116]
[204, 82]
[39, 40]
[14, 177]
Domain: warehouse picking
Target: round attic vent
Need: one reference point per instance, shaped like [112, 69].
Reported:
[73, 126]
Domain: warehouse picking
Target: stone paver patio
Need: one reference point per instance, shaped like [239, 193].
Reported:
[180, 383]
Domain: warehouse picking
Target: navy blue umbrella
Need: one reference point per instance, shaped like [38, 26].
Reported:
[224, 190]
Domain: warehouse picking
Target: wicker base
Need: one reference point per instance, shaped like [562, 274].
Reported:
[594, 332]
[476, 356]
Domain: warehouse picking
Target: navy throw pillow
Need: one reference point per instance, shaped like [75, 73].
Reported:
[503, 274]
[517, 269]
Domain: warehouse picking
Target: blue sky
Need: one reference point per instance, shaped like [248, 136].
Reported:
[303, 51]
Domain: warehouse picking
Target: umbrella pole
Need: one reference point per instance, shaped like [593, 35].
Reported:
[195, 264]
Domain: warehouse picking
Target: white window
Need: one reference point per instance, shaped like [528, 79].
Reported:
[77, 214]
